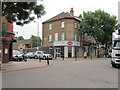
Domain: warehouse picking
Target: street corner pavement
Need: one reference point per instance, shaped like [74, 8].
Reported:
[17, 66]
[82, 59]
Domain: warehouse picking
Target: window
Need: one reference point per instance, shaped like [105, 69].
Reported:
[79, 38]
[50, 26]
[50, 37]
[62, 36]
[56, 36]
[75, 25]
[78, 26]
[75, 37]
[62, 24]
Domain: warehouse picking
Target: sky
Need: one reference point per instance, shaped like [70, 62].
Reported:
[54, 7]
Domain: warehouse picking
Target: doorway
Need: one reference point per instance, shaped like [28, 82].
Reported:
[69, 51]
[58, 52]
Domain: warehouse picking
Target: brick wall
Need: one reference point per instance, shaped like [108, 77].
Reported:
[69, 31]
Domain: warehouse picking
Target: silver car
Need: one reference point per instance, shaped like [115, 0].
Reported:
[17, 56]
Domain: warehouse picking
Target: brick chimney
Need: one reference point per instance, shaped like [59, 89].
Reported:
[72, 12]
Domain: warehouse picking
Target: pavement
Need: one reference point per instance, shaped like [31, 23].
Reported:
[17, 66]
[32, 64]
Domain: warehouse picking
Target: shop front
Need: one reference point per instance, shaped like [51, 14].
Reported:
[68, 49]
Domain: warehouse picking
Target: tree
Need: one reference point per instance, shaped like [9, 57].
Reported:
[20, 38]
[21, 12]
[35, 41]
[99, 25]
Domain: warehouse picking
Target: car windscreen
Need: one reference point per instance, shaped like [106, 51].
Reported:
[16, 53]
[116, 45]
[45, 52]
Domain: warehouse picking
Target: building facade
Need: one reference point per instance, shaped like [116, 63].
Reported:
[62, 35]
[22, 44]
[7, 39]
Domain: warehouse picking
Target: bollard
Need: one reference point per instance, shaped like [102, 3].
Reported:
[39, 59]
[91, 57]
[62, 57]
[47, 60]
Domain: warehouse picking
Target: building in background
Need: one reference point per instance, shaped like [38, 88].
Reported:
[22, 44]
[63, 37]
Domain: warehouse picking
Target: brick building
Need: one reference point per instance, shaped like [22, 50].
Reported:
[7, 40]
[62, 35]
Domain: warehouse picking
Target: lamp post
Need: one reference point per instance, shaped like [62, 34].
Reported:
[37, 35]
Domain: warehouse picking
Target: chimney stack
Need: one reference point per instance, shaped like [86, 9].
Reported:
[72, 12]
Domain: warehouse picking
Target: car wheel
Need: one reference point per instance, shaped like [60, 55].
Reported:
[44, 57]
[36, 57]
[113, 65]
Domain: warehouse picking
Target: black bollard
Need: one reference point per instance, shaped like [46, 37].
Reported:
[47, 60]
[39, 59]
[62, 56]
[75, 55]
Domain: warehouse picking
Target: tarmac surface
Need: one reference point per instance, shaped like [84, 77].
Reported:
[34, 63]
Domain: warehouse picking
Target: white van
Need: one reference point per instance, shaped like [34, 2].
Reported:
[43, 55]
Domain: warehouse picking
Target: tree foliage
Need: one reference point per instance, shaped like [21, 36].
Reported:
[98, 24]
[21, 12]
[20, 38]
[35, 41]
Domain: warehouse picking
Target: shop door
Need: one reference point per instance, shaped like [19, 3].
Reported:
[69, 51]
[58, 54]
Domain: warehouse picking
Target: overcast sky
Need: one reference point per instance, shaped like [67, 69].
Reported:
[54, 7]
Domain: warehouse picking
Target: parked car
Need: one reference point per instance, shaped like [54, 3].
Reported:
[17, 56]
[43, 55]
[30, 55]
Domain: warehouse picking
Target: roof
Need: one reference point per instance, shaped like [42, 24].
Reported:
[60, 16]
[26, 41]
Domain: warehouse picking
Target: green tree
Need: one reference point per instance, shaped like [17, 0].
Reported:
[20, 38]
[21, 12]
[98, 24]
[35, 41]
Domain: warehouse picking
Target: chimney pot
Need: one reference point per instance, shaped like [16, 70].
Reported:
[72, 12]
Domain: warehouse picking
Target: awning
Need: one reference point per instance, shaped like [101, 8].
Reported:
[9, 39]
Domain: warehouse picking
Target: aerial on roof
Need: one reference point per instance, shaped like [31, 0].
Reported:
[63, 15]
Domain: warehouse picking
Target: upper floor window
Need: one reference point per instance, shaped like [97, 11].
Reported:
[50, 26]
[79, 38]
[75, 25]
[75, 37]
[50, 37]
[56, 36]
[62, 24]
[62, 36]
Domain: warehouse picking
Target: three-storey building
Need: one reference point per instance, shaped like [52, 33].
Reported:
[62, 35]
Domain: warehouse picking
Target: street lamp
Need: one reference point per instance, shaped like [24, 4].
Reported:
[37, 35]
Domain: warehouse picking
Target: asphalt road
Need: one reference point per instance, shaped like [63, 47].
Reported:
[65, 74]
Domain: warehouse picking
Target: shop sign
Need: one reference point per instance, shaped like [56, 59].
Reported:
[81, 44]
[70, 43]
[66, 43]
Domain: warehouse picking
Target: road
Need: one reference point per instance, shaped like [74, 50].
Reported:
[65, 74]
